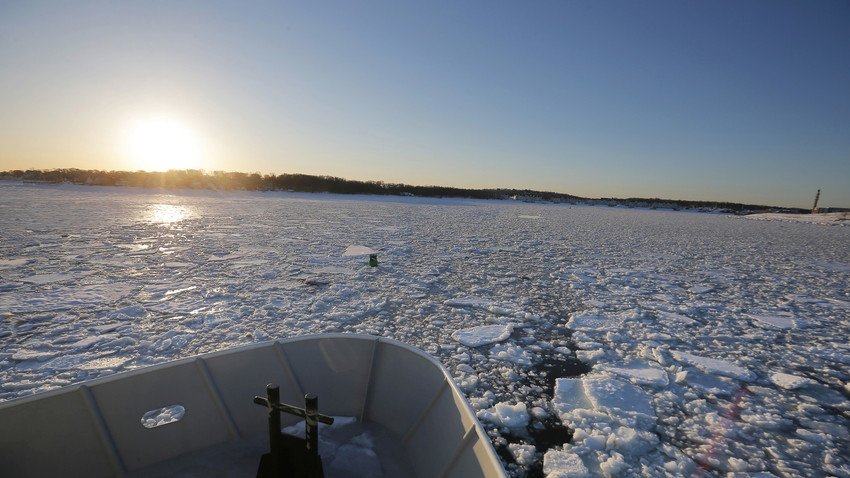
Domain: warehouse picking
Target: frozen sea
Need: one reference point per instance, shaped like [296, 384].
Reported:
[589, 340]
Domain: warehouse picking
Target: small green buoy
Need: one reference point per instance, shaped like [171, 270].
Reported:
[373, 260]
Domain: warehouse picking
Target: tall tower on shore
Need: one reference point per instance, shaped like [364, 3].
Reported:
[815, 207]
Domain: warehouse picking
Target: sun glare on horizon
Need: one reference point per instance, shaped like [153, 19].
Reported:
[160, 143]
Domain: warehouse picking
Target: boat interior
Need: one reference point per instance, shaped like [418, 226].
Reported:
[198, 416]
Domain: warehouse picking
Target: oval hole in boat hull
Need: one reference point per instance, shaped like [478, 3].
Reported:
[163, 416]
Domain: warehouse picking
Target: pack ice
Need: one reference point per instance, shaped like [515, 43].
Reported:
[590, 341]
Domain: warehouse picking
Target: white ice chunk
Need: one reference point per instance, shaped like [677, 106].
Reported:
[672, 316]
[470, 301]
[48, 278]
[507, 415]
[700, 289]
[134, 247]
[107, 362]
[333, 270]
[569, 394]
[583, 278]
[562, 464]
[708, 383]
[37, 355]
[594, 322]
[129, 313]
[605, 394]
[790, 382]
[611, 394]
[590, 356]
[10, 263]
[778, 321]
[630, 441]
[524, 455]
[356, 250]
[511, 353]
[613, 465]
[163, 416]
[91, 340]
[483, 335]
[180, 289]
[710, 365]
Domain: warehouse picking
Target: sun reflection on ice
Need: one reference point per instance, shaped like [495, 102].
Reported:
[167, 213]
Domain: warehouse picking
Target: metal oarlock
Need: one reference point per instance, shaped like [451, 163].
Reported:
[289, 455]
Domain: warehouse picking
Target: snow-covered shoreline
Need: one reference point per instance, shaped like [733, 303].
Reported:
[711, 341]
[828, 219]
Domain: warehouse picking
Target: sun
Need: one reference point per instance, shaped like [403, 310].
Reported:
[160, 143]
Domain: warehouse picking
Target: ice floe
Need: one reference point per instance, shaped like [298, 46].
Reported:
[483, 335]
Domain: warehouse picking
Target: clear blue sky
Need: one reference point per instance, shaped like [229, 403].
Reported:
[740, 101]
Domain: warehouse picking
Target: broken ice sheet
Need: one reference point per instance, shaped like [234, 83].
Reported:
[624, 266]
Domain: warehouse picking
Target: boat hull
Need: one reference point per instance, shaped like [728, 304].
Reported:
[95, 428]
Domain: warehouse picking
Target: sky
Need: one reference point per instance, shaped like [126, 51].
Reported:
[723, 100]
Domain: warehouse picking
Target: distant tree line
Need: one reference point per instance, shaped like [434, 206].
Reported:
[220, 180]
[228, 181]
[694, 204]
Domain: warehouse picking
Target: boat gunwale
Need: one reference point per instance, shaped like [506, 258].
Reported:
[217, 353]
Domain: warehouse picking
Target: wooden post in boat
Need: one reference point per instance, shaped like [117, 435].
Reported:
[272, 401]
[289, 454]
[311, 418]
